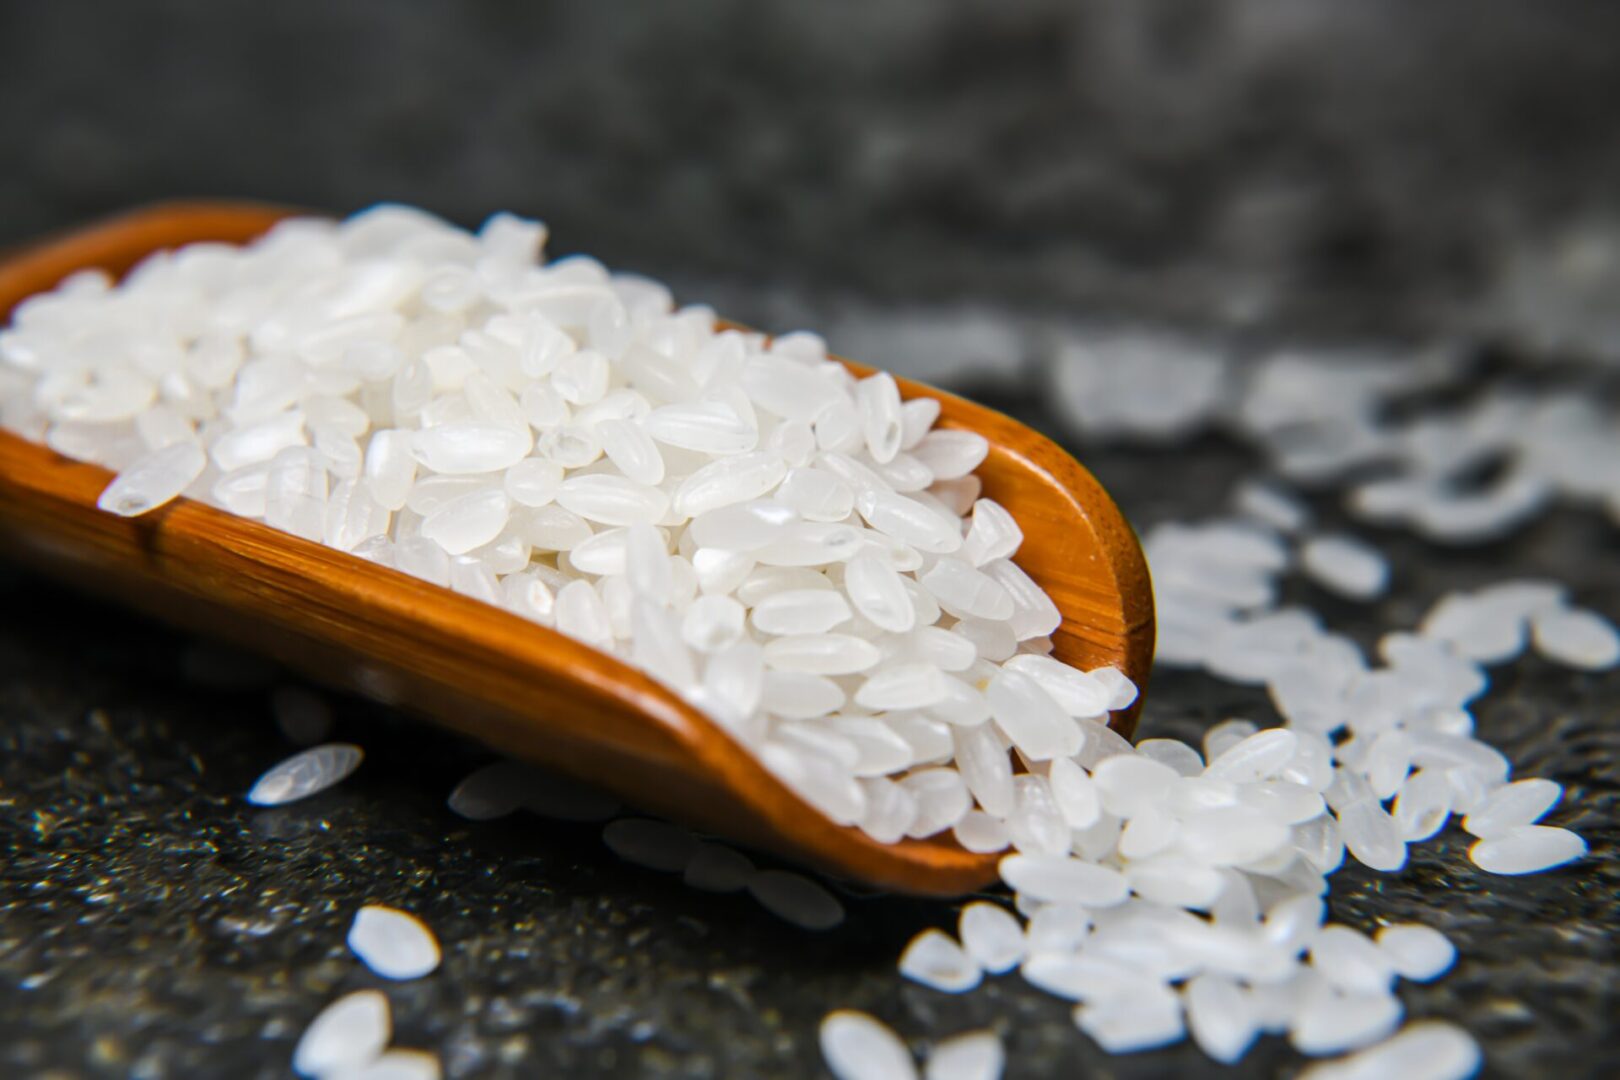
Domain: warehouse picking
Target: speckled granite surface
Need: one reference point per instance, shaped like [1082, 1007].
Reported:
[1304, 168]
[154, 925]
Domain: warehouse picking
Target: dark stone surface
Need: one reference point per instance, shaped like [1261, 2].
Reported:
[1310, 168]
[1322, 163]
[152, 924]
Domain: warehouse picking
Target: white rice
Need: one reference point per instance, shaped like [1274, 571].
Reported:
[1429, 1050]
[936, 960]
[1151, 386]
[306, 773]
[1132, 1025]
[1527, 849]
[1522, 802]
[394, 1065]
[1419, 953]
[1065, 880]
[977, 1055]
[154, 480]
[1057, 928]
[992, 936]
[1330, 1022]
[1346, 566]
[798, 553]
[1219, 1017]
[1271, 506]
[394, 944]
[977, 831]
[857, 1046]
[350, 1033]
[1577, 639]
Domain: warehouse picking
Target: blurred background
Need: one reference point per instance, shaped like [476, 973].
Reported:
[1347, 168]
[974, 194]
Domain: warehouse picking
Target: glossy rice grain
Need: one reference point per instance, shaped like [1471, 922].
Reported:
[306, 773]
[394, 944]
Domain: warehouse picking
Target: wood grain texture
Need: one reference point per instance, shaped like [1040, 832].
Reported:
[522, 689]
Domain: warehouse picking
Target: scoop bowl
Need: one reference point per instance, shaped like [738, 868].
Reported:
[519, 688]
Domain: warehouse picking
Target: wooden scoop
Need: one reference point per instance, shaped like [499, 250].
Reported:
[521, 689]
